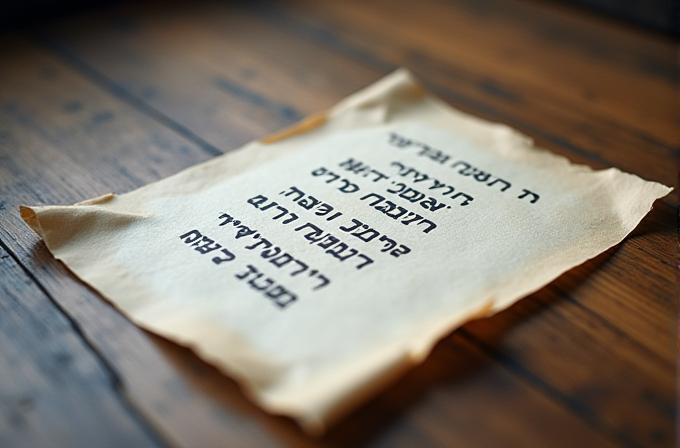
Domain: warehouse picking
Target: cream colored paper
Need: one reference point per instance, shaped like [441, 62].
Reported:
[317, 264]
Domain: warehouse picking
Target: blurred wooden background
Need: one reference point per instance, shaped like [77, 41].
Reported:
[109, 100]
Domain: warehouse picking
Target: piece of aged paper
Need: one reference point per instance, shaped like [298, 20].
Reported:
[317, 264]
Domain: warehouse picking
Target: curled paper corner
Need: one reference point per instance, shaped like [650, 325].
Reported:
[65, 226]
[381, 98]
[30, 214]
[31, 219]
[399, 86]
[382, 101]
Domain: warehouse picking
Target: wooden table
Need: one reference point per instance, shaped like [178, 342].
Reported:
[111, 100]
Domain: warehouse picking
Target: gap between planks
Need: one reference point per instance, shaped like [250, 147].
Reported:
[111, 373]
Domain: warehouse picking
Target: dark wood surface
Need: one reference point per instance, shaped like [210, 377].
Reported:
[113, 99]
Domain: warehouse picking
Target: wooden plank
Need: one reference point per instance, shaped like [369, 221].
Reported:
[655, 15]
[236, 49]
[579, 59]
[585, 362]
[641, 303]
[458, 397]
[643, 319]
[63, 140]
[55, 390]
[138, 57]
[206, 407]
[217, 78]
[550, 92]
[160, 36]
[645, 314]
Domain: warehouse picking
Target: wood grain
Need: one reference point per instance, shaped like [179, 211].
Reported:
[236, 45]
[113, 100]
[87, 156]
[47, 368]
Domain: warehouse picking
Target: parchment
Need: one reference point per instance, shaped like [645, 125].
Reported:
[316, 265]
